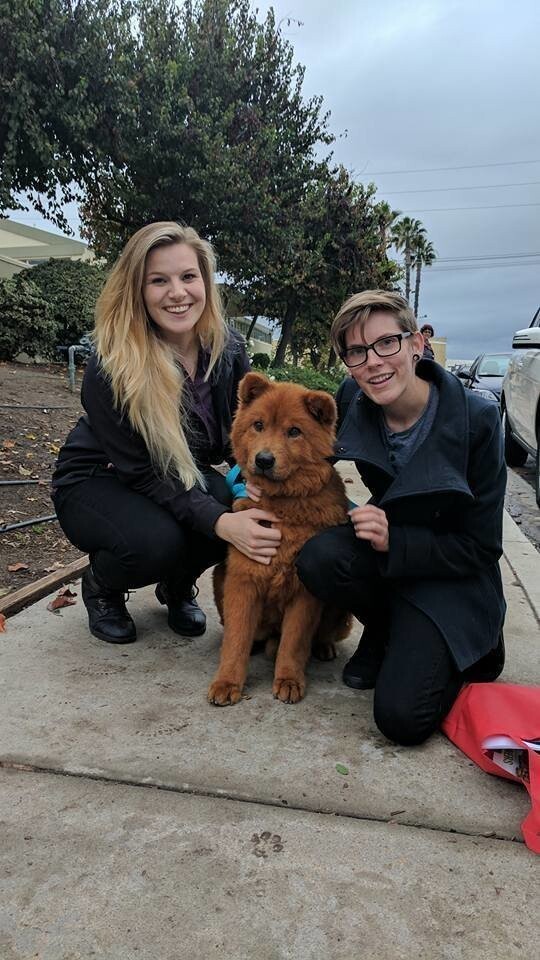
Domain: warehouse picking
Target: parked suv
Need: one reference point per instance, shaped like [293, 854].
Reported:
[520, 400]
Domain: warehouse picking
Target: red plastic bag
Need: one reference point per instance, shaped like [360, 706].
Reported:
[499, 713]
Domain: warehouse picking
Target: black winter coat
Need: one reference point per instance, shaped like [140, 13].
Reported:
[444, 509]
[103, 437]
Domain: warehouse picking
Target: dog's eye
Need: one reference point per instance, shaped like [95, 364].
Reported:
[294, 432]
[259, 425]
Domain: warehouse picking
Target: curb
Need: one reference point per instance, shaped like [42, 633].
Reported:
[524, 561]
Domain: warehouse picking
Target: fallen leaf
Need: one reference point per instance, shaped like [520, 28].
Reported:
[24, 472]
[31, 436]
[344, 771]
[8, 444]
[2, 623]
[64, 598]
[15, 567]
[57, 565]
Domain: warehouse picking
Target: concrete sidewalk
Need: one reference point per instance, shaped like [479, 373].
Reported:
[139, 822]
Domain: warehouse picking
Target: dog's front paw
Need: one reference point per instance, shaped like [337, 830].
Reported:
[223, 694]
[288, 691]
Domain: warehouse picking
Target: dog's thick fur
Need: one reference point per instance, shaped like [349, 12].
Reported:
[294, 429]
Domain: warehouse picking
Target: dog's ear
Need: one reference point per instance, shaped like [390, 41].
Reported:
[251, 387]
[321, 406]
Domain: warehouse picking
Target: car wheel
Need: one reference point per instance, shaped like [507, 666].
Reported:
[514, 455]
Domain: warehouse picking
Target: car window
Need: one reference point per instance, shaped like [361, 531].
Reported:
[493, 366]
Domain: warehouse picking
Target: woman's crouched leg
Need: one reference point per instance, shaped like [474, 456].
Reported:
[418, 681]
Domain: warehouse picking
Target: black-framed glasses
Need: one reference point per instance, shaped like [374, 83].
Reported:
[384, 347]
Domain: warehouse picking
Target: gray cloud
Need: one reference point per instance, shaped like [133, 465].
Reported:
[440, 84]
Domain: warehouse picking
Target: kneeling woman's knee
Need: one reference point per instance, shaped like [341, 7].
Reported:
[401, 723]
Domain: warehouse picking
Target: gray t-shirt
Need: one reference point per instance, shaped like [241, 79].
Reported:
[401, 446]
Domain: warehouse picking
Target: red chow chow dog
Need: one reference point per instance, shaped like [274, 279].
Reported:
[282, 436]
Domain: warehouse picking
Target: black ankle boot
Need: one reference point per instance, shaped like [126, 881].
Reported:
[360, 672]
[185, 615]
[108, 618]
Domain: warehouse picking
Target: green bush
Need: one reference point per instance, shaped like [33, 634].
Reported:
[28, 322]
[71, 287]
[307, 377]
[260, 360]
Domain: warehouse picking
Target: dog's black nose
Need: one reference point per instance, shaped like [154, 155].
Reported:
[265, 460]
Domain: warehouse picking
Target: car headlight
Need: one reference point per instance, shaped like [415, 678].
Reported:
[486, 394]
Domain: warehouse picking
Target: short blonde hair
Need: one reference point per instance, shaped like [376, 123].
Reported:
[358, 309]
[146, 381]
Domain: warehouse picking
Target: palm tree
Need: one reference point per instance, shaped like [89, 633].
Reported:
[386, 218]
[405, 235]
[423, 255]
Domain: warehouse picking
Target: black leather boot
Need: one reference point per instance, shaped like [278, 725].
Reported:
[360, 672]
[185, 615]
[108, 618]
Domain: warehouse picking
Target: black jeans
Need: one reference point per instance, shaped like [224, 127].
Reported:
[418, 681]
[132, 541]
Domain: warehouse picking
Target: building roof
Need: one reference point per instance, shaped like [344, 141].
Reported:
[21, 242]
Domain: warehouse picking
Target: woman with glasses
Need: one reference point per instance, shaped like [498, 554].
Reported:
[418, 565]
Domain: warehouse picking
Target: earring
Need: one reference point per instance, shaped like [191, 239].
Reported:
[416, 356]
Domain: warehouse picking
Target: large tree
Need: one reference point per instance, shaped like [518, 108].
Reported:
[63, 84]
[331, 249]
[149, 110]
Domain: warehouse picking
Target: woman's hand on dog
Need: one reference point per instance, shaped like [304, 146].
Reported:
[253, 492]
[247, 533]
[370, 523]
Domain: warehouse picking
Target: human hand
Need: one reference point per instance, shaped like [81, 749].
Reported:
[253, 492]
[370, 523]
[246, 532]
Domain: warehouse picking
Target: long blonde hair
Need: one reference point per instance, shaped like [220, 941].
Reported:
[146, 381]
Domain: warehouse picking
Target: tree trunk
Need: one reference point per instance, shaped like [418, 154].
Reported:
[417, 287]
[331, 359]
[407, 271]
[286, 334]
[251, 327]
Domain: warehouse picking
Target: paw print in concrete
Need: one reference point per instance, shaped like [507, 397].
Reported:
[266, 843]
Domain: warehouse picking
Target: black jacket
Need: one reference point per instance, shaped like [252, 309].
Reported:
[103, 436]
[444, 509]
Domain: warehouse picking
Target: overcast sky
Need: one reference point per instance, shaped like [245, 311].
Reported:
[431, 84]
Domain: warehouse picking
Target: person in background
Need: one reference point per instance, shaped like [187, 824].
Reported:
[418, 565]
[134, 485]
[427, 332]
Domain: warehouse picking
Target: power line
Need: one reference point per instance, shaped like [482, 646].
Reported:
[496, 206]
[469, 166]
[494, 256]
[483, 186]
[484, 266]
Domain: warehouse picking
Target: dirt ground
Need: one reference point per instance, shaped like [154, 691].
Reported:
[29, 442]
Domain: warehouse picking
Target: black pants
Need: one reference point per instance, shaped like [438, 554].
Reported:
[418, 681]
[132, 541]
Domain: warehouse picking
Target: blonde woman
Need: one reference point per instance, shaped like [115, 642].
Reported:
[134, 485]
[419, 564]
